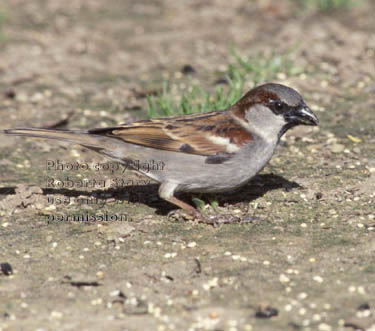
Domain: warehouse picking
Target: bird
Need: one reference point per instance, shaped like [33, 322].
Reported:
[213, 152]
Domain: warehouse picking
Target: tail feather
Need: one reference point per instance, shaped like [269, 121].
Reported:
[80, 137]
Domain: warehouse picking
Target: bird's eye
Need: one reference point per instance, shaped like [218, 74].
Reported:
[279, 106]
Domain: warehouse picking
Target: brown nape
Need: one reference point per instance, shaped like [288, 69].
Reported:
[236, 133]
[255, 96]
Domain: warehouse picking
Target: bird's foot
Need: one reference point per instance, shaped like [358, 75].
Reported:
[181, 214]
[215, 219]
[218, 219]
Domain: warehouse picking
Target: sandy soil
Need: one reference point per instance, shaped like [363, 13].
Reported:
[304, 256]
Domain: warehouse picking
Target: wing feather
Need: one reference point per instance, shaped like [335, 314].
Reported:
[202, 134]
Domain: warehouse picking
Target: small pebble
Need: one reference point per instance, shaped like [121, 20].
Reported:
[302, 311]
[324, 327]
[6, 269]
[327, 306]
[266, 312]
[170, 255]
[352, 289]
[288, 307]
[337, 148]
[306, 322]
[114, 293]
[56, 314]
[214, 282]
[187, 69]
[284, 279]
[361, 290]
[318, 279]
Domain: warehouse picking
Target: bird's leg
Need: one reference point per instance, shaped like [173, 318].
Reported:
[191, 210]
[166, 192]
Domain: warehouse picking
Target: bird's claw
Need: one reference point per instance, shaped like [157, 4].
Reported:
[214, 220]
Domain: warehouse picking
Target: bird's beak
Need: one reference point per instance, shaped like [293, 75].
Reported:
[303, 115]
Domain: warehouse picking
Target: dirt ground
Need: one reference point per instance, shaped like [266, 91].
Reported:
[303, 257]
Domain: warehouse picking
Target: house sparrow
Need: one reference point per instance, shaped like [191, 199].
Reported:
[217, 151]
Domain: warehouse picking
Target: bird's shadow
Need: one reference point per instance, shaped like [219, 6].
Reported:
[148, 194]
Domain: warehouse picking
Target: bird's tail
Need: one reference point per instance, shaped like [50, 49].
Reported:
[80, 137]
